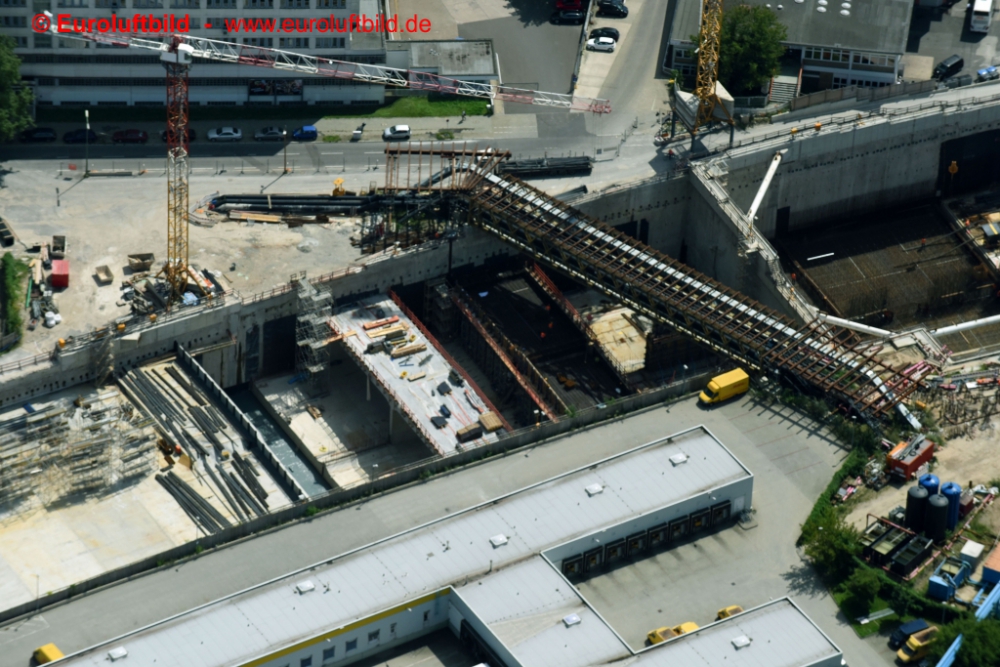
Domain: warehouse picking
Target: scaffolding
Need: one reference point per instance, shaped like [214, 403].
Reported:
[65, 451]
[311, 330]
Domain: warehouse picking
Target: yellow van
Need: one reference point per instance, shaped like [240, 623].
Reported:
[725, 386]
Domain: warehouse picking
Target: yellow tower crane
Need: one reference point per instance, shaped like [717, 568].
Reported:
[708, 64]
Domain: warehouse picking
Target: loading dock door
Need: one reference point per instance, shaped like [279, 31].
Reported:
[973, 160]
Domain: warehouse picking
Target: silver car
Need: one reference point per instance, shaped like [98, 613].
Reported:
[269, 134]
[396, 133]
[225, 134]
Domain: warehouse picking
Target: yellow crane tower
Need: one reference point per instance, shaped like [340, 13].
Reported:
[708, 64]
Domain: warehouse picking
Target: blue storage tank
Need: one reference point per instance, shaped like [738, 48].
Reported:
[953, 492]
[931, 483]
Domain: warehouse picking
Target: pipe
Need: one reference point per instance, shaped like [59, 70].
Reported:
[965, 326]
[765, 184]
[855, 326]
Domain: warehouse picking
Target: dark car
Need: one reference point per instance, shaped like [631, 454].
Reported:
[903, 632]
[38, 134]
[605, 32]
[613, 10]
[568, 17]
[958, 81]
[80, 137]
[949, 66]
[129, 137]
[192, 135]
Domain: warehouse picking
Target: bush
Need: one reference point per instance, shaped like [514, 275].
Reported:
[331, 138]
[832, 545]
[445, 135]
[980, 642]
[863, 586]
[12, 297]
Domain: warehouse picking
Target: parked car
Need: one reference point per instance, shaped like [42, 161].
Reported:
[990, 73]
[905, 631]
[660, 635]
[396, 133]
[80, 137]
[958, 81]
[225, 134]
[568, 17]
[949, 66]
[601, 44]
[272, 133]
[39, 134]
[614, 10]
[130, 137]
[918, 645]
[191, 135]
[605, 32]
[306, 133]
[731, 610]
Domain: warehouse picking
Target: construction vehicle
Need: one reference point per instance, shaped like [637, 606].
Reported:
[918, 645]
[725, 386]
[46, 654]
[661, 635]
[178, 51]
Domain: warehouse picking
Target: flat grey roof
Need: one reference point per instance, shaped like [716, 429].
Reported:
[879, 26]
[431, 557]
[457, 58]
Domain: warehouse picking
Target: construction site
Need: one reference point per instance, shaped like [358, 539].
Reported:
[264, 353]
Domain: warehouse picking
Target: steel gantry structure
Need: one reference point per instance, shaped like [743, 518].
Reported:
[177, 52]
[831, 359]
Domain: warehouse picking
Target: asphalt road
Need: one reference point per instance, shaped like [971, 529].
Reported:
[205, 155]
[790, 458]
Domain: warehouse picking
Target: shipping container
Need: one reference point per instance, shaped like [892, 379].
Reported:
[60, 273]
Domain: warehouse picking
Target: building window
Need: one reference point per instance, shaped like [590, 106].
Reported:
[20, 42]
[147, 4]
[683, 53]
[373, 636]
[685, 70]
[352, 644]
[331, 4]
[12, 3]
[331, 42]
[306, 662]
[295, 4]
[427, 615]
[294, 42]
[73, 3]
[109, 4]
[392, 629]
[220, 4]
[829, 55]
[328, 653]
[185, 4]
[14, 21]
[258, 4]
[266, 42]
[43, 41]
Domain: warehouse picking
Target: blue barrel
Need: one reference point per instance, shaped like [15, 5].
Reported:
[931, 483]
[953, 492]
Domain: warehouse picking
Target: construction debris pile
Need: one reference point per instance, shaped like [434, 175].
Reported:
[147, 294]
[39, 302]
[198, 436]
[83, 447]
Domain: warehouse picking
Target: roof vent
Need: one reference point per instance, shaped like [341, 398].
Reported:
[844, 12]
[594, 489]
[845, 5]
[305, 587]
[821, 9]
[117, 653]
[799, 2]
[678, 459]
[498, 540]
[822, 3]
[571, 620]
[741, 642]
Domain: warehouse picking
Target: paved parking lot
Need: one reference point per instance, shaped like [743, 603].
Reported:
[940, 32]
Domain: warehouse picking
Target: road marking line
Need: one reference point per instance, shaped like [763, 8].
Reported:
[341, 153]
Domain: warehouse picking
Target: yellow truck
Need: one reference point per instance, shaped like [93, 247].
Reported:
[663, 634]
[46, 654]
[725, 386]
[918, 645]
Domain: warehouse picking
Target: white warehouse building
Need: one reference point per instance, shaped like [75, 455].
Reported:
[496, 575]
[72, 72]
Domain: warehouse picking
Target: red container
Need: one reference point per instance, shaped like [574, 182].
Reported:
[60, 273]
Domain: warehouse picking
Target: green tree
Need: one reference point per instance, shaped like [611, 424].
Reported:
[863, 585]
[15, 99]
[980, 642]
[751, 48]
[831, 544]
